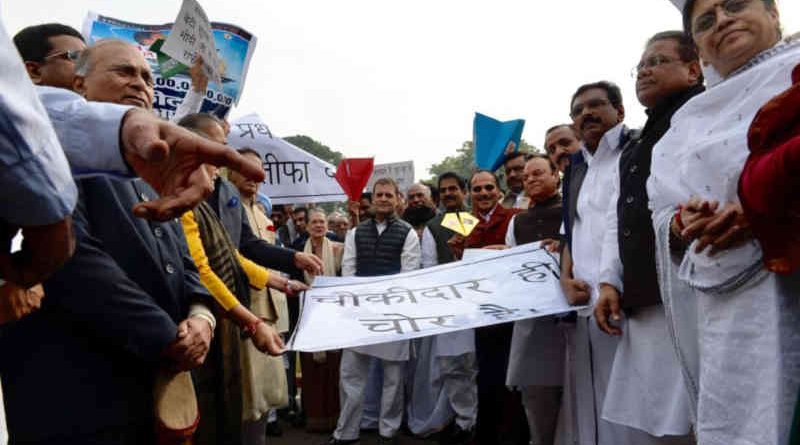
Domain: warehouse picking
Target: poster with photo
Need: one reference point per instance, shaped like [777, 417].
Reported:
[233, 44]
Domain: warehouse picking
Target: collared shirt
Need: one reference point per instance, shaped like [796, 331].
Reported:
[594, 201]
[488, 216]
[34, 173]
[409, 259]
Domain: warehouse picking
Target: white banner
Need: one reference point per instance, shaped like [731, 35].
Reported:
[498, 287]
[294, 176]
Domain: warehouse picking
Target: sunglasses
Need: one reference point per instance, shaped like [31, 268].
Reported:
[71, 55]
[708, 19]
[487, 187]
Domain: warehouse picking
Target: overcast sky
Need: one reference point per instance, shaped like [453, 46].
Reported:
[401, 80]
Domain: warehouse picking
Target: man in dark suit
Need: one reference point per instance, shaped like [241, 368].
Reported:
[80, 371]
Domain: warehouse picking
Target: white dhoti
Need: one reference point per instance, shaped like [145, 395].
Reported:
[646, 390]
[444, 383]
[354, 371]
[594, 358]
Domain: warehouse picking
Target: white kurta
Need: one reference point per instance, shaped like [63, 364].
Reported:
[746, 372]
[646, 388]
[594, 351]
[442, 374]
[591, 223]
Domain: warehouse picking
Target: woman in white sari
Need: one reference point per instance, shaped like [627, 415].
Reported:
[735, 325]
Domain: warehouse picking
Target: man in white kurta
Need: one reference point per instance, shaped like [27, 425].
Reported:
[597, 113]
[444, 387]
[379, 246]
[646, 389]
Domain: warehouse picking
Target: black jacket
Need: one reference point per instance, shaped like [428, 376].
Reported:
[634, 222]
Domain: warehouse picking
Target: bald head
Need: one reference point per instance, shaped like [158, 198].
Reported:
[114, 71]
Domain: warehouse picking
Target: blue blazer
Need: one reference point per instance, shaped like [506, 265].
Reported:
[85, 361]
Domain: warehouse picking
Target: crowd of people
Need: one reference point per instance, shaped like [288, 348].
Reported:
[154, 291]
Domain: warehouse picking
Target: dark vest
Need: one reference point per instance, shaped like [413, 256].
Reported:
[441, 234]
[380, 254]
[541, 221]
[637, 247]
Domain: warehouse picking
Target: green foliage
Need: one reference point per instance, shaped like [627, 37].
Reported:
[316, 148]
[463, 162]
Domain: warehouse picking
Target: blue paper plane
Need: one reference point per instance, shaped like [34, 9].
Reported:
[490, 138]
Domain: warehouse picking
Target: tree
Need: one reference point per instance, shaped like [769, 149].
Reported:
[463, 162]
[316, 148]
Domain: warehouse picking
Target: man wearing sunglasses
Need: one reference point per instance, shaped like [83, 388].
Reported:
[49, 52]
[493, 343]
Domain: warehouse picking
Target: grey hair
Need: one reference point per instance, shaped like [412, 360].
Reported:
[425, 189]
[85, 63]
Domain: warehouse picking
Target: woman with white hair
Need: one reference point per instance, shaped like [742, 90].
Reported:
[736, 325]
[321, 369]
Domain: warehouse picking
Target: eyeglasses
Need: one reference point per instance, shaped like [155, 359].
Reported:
[708, 19]
[650, 63]
[71, 55]
[487, 187]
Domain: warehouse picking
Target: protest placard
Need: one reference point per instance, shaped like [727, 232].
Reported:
[294, 176]
[191, 36]
[234, 47]
[495, 287]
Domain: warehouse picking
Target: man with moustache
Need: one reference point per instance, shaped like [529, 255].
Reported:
[500, 416]
[447, 359]
[646, 371]
[561, 142]
[513, 166]
[597, 112]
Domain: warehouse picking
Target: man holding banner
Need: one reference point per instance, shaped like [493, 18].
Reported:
[451, 357]
[384, 245]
